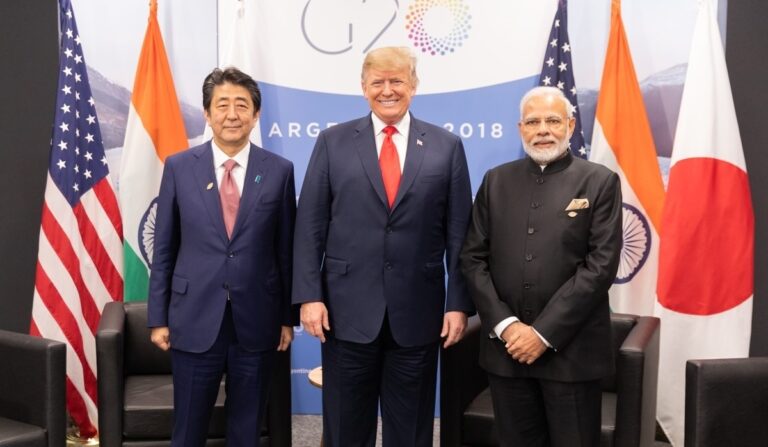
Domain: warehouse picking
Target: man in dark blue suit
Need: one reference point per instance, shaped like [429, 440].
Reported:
[382, 213]
[219, 293]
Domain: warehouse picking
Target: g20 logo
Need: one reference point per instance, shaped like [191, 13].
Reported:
[435, 27]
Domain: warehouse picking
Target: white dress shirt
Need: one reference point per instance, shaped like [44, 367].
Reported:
[400, 138]
[238, 172]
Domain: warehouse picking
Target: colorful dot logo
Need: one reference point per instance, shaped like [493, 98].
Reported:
[438, 27]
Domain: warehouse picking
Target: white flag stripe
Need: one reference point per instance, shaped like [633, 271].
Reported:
[64, 215]
[67, 289]
[637, 296]
[113, 244]
[139, 179]
[49, 328]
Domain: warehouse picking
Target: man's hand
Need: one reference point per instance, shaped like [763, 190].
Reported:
[286, 337]
[160, 336]
[522, 343]
[314, 318]
[454, 325]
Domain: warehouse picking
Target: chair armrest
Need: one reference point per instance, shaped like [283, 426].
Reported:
[110, 338]
[279, 403]
[726, 401]
[33, 376]
[636, 384]
[461, 380]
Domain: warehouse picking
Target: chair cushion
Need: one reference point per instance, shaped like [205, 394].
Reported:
[478, 425]
[19, 434]
[149, 408]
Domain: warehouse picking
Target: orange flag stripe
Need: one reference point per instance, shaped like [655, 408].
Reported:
[154, 96]
[622, 116]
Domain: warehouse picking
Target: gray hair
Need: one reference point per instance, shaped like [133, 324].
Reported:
[540, 91]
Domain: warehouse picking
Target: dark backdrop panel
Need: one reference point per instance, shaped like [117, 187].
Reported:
[29, 51]
[747, 45]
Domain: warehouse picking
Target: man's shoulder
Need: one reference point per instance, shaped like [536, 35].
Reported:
[432, 130]
[347, 126]
[275, 158]
[193, 152]
[507, 168]
[591, 168]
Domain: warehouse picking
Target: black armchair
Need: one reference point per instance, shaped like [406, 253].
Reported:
[136, 388]
[726, 402]
[32, 397]
[629, 396]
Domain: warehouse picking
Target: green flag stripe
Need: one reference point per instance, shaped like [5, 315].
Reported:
[135, 276]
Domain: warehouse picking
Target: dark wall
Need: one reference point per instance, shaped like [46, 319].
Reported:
[29, 51]
[747, 46]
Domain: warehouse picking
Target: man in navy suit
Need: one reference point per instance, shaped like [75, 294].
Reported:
[219, 292]
[382, 213]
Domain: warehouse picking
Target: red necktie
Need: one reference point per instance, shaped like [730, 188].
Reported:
[389, 163]
[230, 196]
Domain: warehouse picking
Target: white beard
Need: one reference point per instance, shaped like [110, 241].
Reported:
[544, 157]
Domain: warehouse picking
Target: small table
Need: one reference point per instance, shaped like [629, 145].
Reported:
[315, 377]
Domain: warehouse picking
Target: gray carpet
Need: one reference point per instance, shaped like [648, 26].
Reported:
[308, 429]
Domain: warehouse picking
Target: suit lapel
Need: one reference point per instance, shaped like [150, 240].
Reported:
[414, 155]
[365, 142]
[205, 180]
[255, 178]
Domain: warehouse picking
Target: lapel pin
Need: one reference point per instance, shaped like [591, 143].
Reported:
[573, 214]
[419, 143]
[210, 186]
[257, 179]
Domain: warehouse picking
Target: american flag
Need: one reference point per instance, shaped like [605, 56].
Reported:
[79, 265]
[557, 71]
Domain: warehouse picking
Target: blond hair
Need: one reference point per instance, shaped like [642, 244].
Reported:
[391, 58]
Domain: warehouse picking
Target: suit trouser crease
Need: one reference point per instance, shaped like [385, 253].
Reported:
[197, 379]
[358, 377]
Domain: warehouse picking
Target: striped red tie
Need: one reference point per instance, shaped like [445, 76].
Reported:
[389, 163]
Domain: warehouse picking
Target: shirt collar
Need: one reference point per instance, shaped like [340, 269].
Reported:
[555, 166]
[219, 157]
[401, 126]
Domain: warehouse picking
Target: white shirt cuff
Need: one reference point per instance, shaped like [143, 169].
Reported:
[499, 329]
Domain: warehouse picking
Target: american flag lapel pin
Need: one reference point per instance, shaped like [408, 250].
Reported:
[419, 142]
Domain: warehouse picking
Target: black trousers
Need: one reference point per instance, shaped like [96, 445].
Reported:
[358, 377]
[546, 413]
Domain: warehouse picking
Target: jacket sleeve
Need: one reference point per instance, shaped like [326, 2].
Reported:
[475, 263]
[284, 249]
[165, 250]
[458, 215]
[312, 219]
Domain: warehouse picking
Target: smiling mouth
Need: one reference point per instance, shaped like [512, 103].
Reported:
[543, 143]
[387, 102]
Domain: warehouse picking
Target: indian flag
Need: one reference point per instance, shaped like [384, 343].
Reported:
[706, 277]
[622, 141]
[154, 131]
